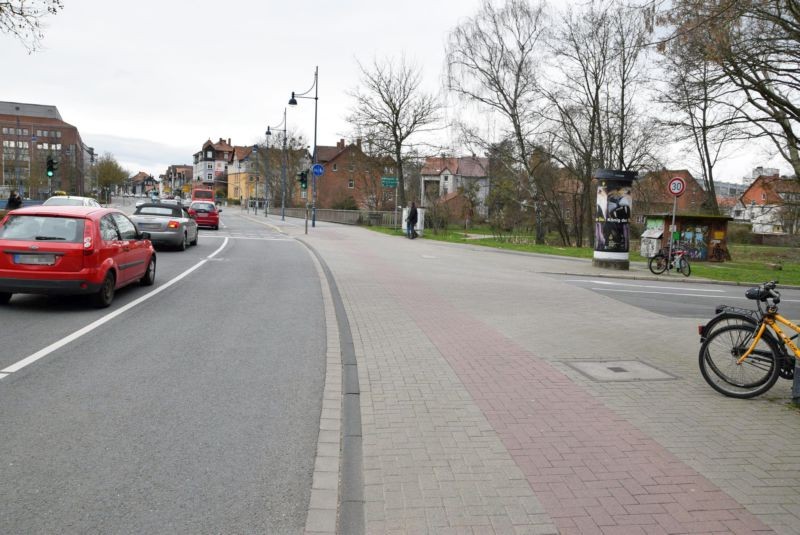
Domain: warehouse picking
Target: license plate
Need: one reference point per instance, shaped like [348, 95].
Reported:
[149, 226]
[35, 259]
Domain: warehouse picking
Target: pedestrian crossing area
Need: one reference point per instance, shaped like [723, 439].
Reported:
[245, 235]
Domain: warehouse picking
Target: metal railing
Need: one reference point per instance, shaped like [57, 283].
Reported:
[349, 217]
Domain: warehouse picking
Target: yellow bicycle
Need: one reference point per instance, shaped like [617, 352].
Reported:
[744, 359]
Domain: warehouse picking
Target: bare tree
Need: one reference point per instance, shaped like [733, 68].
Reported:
[756, 46]
[23, 19]
[702, 115]
[391, 106]
[493, 61]
[594, 121]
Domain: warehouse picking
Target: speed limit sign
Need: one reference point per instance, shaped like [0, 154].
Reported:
[677, 186]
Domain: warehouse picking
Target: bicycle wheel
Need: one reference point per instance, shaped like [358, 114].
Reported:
[658, 264]
[684, 267]
[718, 362]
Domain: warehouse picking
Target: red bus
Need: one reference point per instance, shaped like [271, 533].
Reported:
[203, 194]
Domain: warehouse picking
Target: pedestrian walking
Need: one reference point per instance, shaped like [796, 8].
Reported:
[411, 222]
[14, 201]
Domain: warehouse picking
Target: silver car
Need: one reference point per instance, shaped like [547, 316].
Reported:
[71, 200]
[168, 224]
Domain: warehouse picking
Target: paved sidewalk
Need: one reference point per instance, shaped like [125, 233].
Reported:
[475, 418]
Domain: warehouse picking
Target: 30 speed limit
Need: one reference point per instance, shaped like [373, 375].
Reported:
[677, 186]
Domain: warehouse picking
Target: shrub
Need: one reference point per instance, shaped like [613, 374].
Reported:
[740, 233]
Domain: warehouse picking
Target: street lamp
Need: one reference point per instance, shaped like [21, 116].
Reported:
[293, 102]
[283, 164]
[255, 205]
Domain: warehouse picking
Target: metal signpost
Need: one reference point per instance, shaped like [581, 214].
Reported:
[391, 182]
[676, 187]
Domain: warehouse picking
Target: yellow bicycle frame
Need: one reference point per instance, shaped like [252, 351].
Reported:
[772, 320]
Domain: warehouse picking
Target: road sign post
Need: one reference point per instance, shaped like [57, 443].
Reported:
[676, 187]
[391, 182]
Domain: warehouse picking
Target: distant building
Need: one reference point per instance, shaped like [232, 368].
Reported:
[178, 176]
[29, 135]
[352, 179]
[651, 195]
[211, 163]
[771, 204]
[729, 189]
[443, 176]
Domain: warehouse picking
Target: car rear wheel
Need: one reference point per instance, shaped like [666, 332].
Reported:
[184, 243]
[105, 296]
[5, 297]
[196, 237]
[150, 274]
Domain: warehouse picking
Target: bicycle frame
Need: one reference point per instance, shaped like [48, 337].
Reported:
[772, 321]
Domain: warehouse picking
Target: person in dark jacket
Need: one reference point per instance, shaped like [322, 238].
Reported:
[14, 201]
[411, 222]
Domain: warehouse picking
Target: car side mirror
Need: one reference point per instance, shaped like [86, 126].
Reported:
[144, 235]
[219, 210]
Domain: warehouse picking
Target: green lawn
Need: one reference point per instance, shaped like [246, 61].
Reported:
[750, 264]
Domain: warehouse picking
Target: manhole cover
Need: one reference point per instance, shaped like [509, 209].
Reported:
[619, 370]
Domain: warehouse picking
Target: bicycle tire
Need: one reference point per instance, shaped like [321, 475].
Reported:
[684, 267]
[718, 362]
[657, 264]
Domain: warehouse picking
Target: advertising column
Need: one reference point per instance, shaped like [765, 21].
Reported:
[612, 219]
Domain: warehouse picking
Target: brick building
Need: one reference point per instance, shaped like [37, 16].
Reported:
[29, 135]
[351, 179]
[771, 204]
[650, 194]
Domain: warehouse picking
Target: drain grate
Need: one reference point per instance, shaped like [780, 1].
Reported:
[624, 370]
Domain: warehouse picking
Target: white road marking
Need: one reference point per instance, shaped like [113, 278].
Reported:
[105, 319]
[669, 293]
[609, 283]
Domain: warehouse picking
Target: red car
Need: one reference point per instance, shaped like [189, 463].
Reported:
[66, 250]
[205, 214]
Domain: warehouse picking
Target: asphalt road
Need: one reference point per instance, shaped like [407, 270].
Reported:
[194, 411]
[681, 299]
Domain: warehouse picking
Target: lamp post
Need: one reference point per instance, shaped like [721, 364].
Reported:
[283, 163]
[255, 205]
[293, 102]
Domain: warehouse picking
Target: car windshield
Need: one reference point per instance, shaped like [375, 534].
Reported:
[42, 228]
[203, 206]
[63, 201]
[158, 210]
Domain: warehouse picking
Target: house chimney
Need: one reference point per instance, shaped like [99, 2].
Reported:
[358, 143]
[340, 144]
[229, 141]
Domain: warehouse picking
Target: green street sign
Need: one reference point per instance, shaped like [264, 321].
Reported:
[389, 182]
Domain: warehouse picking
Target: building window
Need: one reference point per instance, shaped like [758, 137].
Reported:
[58, 134]
[210, 178]
[38, 133]
[763, 195]
[335, 167]
[209, 166]
[5, 130]
[351, 183]
[209, 154]
[304, 194]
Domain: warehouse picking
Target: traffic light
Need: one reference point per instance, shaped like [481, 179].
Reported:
[51, 167]
[303, 178]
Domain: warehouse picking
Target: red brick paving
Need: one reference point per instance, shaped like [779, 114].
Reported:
[591, 469]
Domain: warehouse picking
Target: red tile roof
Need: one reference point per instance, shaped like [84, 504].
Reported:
[468, 166]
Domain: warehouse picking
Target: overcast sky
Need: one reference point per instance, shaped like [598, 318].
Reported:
[150, 81]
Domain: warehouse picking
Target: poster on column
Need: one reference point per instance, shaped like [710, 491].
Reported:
[612, 232]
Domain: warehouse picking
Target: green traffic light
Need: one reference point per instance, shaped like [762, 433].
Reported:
[49, 173]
